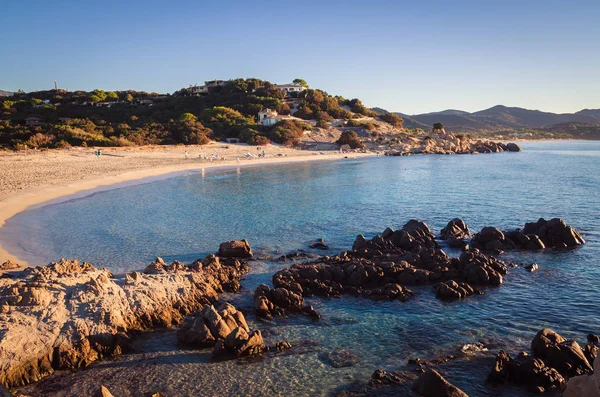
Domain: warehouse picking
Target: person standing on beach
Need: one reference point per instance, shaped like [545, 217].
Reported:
[186, 155]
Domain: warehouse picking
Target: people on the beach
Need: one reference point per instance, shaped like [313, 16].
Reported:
[186, 155]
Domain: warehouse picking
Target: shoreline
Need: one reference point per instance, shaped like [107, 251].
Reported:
[16, 203]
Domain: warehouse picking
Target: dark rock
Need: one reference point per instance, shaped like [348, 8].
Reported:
[452, 290]
[341, 358]
[593, 339]
[565, 356]
[432, 384]
[235, 249]
[513, 147]
[269, 302]
[532, 267]
[455, 229]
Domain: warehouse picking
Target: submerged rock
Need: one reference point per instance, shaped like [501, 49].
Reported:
[432, 384]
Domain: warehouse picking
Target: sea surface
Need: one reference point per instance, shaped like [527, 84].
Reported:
[281, 208]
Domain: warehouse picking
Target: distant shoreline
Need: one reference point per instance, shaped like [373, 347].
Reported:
[14, 203]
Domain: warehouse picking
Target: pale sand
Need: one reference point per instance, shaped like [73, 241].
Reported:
[34, 177]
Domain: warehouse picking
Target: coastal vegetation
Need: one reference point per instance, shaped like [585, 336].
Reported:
[59, 118]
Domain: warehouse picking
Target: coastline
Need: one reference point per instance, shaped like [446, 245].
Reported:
[12, 204]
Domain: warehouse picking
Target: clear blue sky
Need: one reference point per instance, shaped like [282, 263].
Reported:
[406, 56]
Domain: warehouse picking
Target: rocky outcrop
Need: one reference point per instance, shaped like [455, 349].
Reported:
[539, 235]
[447, 143]
[382, 267]
[456, 232]
[235, 249]
[8, 265]
[224, 327]
[271, 302]
[432, 384]
[69, 314]
[452, 290]
[566, 356]
[212, 323]
[554, 360]
[526, 370]
[554, 233]
[585, 385]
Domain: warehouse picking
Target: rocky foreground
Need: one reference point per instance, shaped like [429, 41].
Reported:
[68, 314]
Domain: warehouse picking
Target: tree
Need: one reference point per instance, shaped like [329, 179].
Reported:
[301, 82]
[129, 98]
[111, 95]
[97, 96]
[188, 117]
[438, 126]
[350, 138]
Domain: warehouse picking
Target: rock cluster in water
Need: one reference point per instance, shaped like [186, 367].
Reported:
[553, 360]
[451, 144]
[69, 314]
[381, 268]
[539, 235]
[270, 302]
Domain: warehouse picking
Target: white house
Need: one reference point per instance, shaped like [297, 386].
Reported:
[268, 117]
[198, 90]
[288, 88]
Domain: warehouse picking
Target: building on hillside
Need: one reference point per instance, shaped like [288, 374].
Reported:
[214, 83]
[197, 90]
[289, 88]
[270, 117]
[34, 120]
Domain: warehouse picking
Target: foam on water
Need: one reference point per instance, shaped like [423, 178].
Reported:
[283, 207]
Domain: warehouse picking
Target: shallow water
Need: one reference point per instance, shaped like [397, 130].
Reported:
[281, 208]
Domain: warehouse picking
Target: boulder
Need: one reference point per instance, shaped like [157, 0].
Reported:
[452, 290]
[565, 356]
[235, 249]
[432, 384]
[585, 385]
[455, 229]
[513, 147]
[270, 302]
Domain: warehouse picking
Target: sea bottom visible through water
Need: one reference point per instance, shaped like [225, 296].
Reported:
[281, 208]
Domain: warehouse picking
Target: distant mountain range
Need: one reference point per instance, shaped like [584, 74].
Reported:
[497, 118]
[6, 93]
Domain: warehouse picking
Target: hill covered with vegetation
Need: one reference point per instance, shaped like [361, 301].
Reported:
[59, 118]
[500, 119]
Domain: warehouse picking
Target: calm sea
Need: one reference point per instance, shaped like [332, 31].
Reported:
[280, 208]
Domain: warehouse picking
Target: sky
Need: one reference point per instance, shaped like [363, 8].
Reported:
[404, 56]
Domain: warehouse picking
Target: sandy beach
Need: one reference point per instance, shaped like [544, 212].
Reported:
[34, 177]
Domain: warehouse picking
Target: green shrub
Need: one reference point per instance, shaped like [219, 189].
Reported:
[350, 138]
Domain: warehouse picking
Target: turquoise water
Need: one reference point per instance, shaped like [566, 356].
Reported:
[280, 208]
